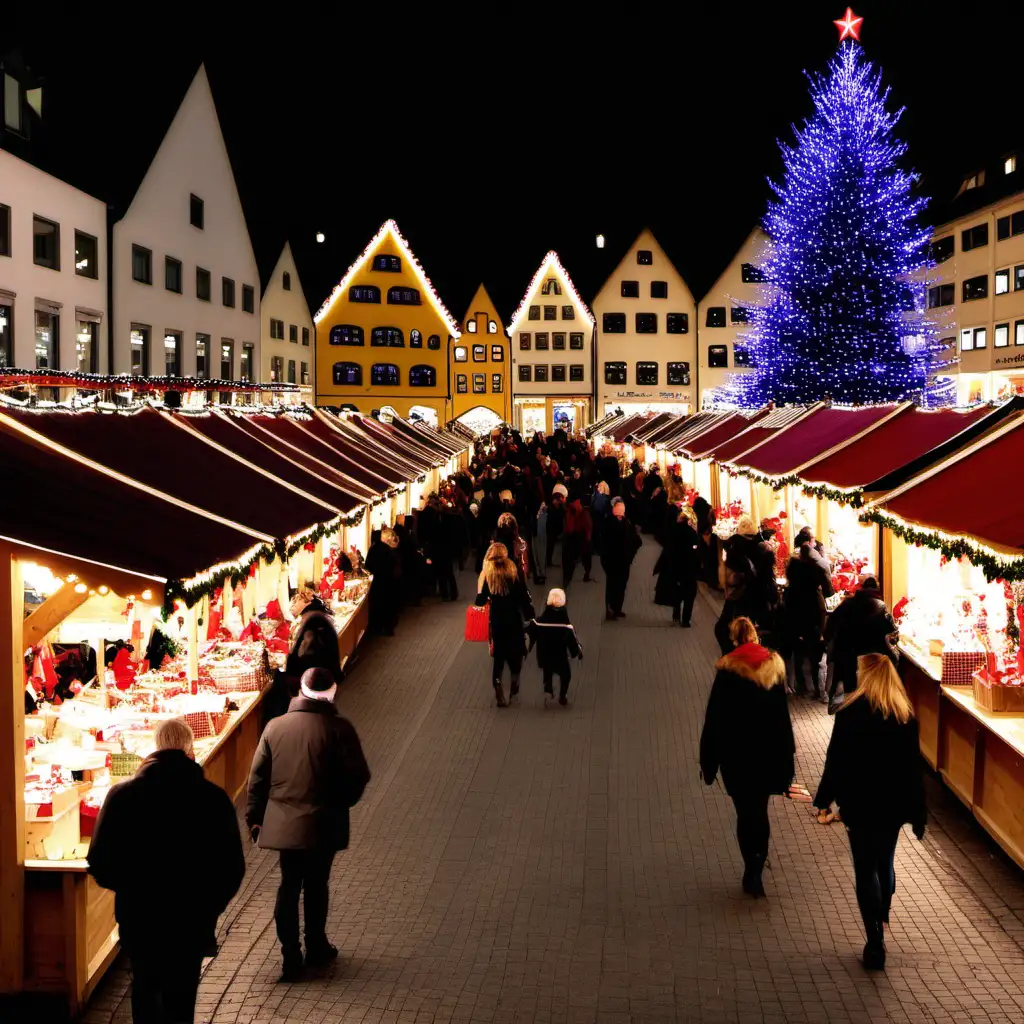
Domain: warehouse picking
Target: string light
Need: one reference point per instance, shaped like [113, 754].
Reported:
[550, 263]
[11, 377]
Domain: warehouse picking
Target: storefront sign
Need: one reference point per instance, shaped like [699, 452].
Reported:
[1015, 360]
[661, 396]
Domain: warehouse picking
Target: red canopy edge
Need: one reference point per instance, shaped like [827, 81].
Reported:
[762, 430]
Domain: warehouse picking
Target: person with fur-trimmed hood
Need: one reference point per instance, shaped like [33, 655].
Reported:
[748, 736]
[556, 641]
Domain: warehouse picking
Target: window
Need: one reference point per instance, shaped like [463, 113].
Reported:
[404, 296]
[750, 273]
[613, 323]
[551, 287]
[248, 298]
[496, 384]
[140, 350]
[558, 373]
[1002, 228]
[715, 317]
[1001, 335]
[87, 263]
[739, 315]
[615, 373]
[364, 293]
[974, 238]
[492, 327]
[196, 212]
[1018, 332]
[479, 353]
[550, 312]
[679, 373]
[1018, 278]
[541, 342]
[5, 230]
[434, 341]
[558, 342]
[966, 340]
[276, 329]
[172, 274]
[540, 374]
[461, 354]
[1010, 164]
[387, 337]
[305, 336]
[646, 323]
[86, 346]
[422, 376]
[644, 257]
[461, 384]
[497, 354]
[227, 291]
[479, 383]
[6, 334]
[304, 374]
[941, 295]
[576, 372]
[47, 339]
[293, 333]
[203, 285]
[45, 243]
[647, 373]
[525, 374]
[347, 374]
[1002, 281]
[631, 289]
[568, 312]
[227, 359]
[534, 313]
[972, 181]
[384, 375]
[980, 337]
[1012, 224]
[659, 289]
[525, 342]
[203, 356]
[471, 326]
[142, 265]
[975, 288]
[277, 368]
[291, 371]
[942, 249]
[415, 339]
[741, 356]
[718, 355]
[12, 103]
[387, 263]
[172, 353]
[576, 341]
[286, 281]
[677, 323]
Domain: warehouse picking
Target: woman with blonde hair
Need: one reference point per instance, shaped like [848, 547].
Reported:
[749, 738]
[502, 586]
[873, 772]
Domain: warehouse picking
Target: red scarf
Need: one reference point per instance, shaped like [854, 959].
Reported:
[752, 654]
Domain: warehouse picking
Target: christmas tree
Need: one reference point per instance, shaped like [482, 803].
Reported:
[843, 315]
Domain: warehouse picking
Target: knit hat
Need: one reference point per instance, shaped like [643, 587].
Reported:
[318, 684]
[560, 489]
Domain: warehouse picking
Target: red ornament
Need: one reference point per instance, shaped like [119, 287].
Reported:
[849, 26]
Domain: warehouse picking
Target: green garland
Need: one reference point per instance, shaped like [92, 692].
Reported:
[995, 567]
[776, 483]
[855, 499]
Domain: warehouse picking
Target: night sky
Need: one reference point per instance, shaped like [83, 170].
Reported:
[493, 138]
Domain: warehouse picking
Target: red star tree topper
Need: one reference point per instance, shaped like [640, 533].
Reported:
[849, 25]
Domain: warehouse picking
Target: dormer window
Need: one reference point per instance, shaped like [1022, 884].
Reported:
[388, 264]
[471, 326]
[404, 296]
[551, 287]
[1010, 164]
[492, 327]
[975, 180]
[12, 103]
[286, 281]
[196, 212]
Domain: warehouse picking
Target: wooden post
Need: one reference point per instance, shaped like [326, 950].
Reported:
[192, 627]
[51, 613]
[12, 774]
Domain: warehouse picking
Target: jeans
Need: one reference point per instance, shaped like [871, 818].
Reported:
[164, 987]
[308, 872]
[615, 581]
[752, 828]
[874, 870]
[812, 651]
[564, 673]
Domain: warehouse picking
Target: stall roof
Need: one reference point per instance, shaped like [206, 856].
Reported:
[808, 438]
[56, 501]
[690, 427]
[320, 432]
[374, 447]
[763, 429]
[622, 430]
[149, 446]
[447, 440]
[895, 442]
[604, 423]
[388, 436]
[425, 436]
[642, 434]
[723, 429]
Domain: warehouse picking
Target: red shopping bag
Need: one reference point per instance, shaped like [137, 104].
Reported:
[477, 624]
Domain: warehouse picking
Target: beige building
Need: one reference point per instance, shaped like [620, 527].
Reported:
[976, 290]
[647, 334]
[286, 328]
[722, 316]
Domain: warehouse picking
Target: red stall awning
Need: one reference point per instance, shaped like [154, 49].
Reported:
[764, 428]
[696, 446]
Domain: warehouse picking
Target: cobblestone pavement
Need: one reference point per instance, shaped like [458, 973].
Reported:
[568, 865]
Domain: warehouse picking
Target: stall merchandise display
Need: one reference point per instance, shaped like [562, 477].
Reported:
[727, 518]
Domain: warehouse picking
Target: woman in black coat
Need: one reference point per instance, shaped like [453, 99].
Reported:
[678, 567]
[873, 772]
[809, 583]
[503, 586]
[749, 738]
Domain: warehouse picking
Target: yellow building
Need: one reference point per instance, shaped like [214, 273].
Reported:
[382, 337]
[480, 366]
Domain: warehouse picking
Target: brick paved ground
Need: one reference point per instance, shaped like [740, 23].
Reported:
[568, 865]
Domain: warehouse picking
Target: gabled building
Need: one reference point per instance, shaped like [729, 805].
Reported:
[722, 316]
[646, 331]
[185, 283]
[480, 363]
[552, 336]
[286, 336]
[382, 336]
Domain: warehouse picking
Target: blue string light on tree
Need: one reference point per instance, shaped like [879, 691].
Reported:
[843, 316]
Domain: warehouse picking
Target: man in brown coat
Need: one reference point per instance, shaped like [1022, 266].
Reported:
[307, 772]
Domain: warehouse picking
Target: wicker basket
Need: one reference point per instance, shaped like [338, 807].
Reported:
[124, 764]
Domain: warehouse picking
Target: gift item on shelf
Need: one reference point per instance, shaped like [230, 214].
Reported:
[727, 518]
[998, 693]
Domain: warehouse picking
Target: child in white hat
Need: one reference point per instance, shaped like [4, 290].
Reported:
[556, 641]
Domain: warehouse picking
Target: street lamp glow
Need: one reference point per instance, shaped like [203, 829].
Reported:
[600, 241]
[320, 236]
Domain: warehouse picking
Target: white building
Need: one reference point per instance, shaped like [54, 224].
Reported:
[186, 287]
[286, 336]
[647, 334]
[53, 272]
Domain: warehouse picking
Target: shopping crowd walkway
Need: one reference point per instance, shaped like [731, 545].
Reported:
[569, 865]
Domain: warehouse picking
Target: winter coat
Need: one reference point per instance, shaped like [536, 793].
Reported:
[860, 625]
[750, 574]
[747, 732]
[600, 507]
[619, 544]
[315, 646]
[678, 565]
[809, 583]
[578, 523]
[873, 769]
[555, 639]
[308, 770]
[542, 528]
[509, 614]
[150, 830]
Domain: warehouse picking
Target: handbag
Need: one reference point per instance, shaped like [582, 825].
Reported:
[478, 620]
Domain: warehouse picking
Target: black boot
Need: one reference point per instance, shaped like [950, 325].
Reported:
[499, 694]
[753, 866]
[513, 690]
[874, 950]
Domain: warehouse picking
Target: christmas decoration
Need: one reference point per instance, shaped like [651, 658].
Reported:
[10, 377]
[550, 264]
[841, 317]
[849, 26]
